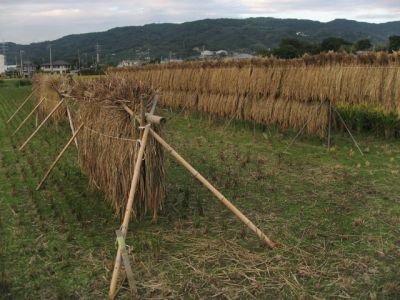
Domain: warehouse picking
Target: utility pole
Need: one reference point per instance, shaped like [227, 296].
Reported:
[51, 58]
[20, 56]
[97, 53]
[79, 60]
[4, 49]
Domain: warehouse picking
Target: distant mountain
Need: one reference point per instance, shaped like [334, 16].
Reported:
[179, 40]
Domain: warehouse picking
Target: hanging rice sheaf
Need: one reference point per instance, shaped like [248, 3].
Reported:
[109, 141]
[230, 88]
[48, 87]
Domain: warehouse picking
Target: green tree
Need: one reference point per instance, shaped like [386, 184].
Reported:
[363, 45]
[286, 51]
[292, 48]
[394, 43]
[334, 44]
[155, 61]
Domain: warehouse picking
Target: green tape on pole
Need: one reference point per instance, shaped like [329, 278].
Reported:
[121, 242]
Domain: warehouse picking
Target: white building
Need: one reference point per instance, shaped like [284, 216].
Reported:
[172, 60]
[2, 64]
[242, 56]
[222, 53]
[58, 66]
[207, 53]
[129, 63]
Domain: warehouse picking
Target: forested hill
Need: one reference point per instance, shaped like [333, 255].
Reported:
[246, 35]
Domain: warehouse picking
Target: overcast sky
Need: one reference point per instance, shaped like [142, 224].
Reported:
[26, 21]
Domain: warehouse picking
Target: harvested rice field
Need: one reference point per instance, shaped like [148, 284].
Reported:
[335, 215]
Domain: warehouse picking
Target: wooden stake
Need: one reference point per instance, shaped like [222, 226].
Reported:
[348, 130]
[127, 265]
[208, 185]
[41, 124]
[128, 210]
[142, 112]
[28, 116]
[20, 107]
[330, 125]
[58, 157]
[71, 125]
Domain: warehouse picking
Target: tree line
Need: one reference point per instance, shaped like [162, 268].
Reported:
[293, 47]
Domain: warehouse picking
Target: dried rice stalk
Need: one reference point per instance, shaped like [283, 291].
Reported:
[109, 140]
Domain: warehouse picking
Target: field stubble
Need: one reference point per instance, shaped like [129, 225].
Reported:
[335, 215]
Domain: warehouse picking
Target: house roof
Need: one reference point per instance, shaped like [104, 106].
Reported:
[57, 63]
[25, 63]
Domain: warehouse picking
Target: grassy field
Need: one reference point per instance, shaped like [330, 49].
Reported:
[334, 214]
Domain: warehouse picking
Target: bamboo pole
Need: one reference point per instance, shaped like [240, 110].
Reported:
[28, 116]
[128, 210]
[58, 157]
[41, 124]
[349, 131]
[20, 107]
[209, 186]
[301, 130]
[330, 125]
[149, 117]
[127, 265]
[71, 125]
[142, 112]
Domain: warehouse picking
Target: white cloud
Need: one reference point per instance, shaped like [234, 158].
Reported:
[34, 20]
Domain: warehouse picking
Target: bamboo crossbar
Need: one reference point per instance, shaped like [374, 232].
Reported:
[28, 116]
[41, 124]
[20, 107]
[209, 186]
[58, 157]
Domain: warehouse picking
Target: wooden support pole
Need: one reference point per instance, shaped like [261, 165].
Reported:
[28, 116]
[155, 119]
[20, 107]
[41, 124]
[142, 112]
[127, 265]
[330, 125]
[128, 110]
[71, 125]
[128, 210]
[209, 186]
[149, 117]
[153, 107]
[348, 130]
[58, 157]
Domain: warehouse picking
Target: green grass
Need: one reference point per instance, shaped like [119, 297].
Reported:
[335, 215]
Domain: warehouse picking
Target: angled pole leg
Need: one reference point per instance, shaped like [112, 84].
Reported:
[71, 125]
[125, 260]
[128, 210]
[329, 125]
[28, 116]
[58, 157]
[41, 124]
[351, 135]
[20, 107]
[209, 186]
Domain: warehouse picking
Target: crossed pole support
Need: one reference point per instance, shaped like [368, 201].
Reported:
[149, 119]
